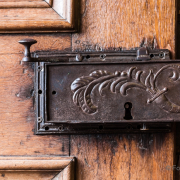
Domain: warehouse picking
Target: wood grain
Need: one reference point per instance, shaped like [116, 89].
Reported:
[49, 42]
[30, 168]
[113, 24]
[104, 25]
[24, 4]
[18, 0]
[176, 164]
[127, 157]
[17, 100]
[34, 163]
[176, 167]
[26, 16]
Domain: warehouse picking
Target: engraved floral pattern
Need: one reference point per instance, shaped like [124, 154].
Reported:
[83, 86]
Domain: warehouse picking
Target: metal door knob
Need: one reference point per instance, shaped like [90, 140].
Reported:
[27, 44]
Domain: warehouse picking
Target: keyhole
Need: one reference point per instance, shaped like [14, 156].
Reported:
[128, 107]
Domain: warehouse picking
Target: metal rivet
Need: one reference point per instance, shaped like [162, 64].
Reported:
[79, 57]
[61, 128]
[39, 119]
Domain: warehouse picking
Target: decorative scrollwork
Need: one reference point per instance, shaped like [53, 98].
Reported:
[83, 86]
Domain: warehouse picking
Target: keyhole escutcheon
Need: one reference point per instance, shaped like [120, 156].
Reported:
[128, 107]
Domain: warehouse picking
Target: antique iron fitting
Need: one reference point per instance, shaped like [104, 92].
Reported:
[27, 44]
[143, 54]
[105, 92]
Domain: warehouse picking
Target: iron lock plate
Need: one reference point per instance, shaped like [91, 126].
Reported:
[106, 93]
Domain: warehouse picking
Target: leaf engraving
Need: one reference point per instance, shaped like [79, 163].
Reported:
[120, 82]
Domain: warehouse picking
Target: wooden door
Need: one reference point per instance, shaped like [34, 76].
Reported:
[103, 25]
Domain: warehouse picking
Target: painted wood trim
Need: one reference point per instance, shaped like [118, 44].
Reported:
[63, 165]
[31, 16]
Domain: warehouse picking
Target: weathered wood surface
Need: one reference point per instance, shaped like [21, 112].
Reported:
[28, 175]
[178, 30]
[17, 101]
[123, 157]
[176, 164]
[28, 14]
[113, 24]
[104, 25]
[176, 167]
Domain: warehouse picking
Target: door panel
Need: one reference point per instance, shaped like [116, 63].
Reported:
[103, 25]
[30, 168]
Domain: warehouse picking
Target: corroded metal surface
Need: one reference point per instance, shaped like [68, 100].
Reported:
[91, 93]
[105, 92]
[121, 82]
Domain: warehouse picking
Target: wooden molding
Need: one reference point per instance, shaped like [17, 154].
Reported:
[24, 16]
[60, 168]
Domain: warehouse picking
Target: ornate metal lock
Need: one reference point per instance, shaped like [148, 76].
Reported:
[105, 92]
